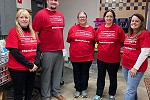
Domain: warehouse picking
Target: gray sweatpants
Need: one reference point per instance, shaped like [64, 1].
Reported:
[52, 66]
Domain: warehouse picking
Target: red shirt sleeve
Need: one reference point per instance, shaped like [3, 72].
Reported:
[37, 22]
[69, 35]
[144, 39]
[12, 39]
[121, 36]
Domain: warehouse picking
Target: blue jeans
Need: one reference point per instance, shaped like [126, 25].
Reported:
[132, 84]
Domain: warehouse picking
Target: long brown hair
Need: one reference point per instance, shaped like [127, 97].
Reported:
[140, 29]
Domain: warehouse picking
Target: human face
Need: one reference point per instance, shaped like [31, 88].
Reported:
[135, 23]
[82, 19]
[109, 18]
[23, 20]
[52, 4]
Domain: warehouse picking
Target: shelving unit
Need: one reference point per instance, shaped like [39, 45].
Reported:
[4, 74]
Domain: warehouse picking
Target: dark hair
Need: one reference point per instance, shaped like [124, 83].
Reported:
[140, 29]
[110, 10]
[80, 13]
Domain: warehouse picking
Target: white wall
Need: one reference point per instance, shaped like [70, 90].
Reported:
[70, 9]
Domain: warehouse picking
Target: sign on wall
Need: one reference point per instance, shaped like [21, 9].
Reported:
[26, 4]
[20, 1]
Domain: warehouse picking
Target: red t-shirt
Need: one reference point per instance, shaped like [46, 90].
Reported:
[133, 49]
[109, 43]
[82, 42]
[26, 45]
[50, 25]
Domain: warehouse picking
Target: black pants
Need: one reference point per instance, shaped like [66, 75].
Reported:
[112, 69]
[81, 74]
[22, 81]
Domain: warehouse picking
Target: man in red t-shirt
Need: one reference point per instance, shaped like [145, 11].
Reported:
[49, 24]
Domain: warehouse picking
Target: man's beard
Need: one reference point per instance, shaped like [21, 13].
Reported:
[53, 8]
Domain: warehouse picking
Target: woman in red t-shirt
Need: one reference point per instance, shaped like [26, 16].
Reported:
[81, 39]
[24, 55]
[110, 38]
[134, 59]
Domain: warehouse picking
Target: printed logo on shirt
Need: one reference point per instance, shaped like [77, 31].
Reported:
[110, 34]
[56, 27]
[56, 19]
[77, 40]
[106, 42]
[29, 50]
[83, 33]
[130, 43]
[107, 37]
[130, 48]
[27, 39]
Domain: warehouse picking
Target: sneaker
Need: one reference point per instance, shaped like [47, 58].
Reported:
[84, 94]
[97, 98]
[111, 97]
[77, 94]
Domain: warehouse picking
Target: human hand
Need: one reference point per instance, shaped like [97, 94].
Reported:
[33, 69]
[133, 72]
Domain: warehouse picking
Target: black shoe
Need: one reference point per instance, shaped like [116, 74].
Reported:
[62, 83]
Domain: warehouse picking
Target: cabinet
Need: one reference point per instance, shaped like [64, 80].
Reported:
[7, 15]
[37, 5]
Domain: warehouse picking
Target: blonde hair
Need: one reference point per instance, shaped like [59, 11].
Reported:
[19, 29]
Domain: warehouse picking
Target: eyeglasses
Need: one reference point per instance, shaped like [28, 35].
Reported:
[82, 17]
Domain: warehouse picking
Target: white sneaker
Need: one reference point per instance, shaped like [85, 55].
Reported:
[77, 94]
[97, 98]
[111, 97]
[84, 94]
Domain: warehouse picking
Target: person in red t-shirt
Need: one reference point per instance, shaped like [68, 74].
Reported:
[110, 38]
[135, 55]
[24, 55]
[82, 39]
[49, 24]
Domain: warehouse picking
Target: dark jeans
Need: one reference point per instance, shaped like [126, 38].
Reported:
[22, 81]
[112, 69]
[81, 74]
